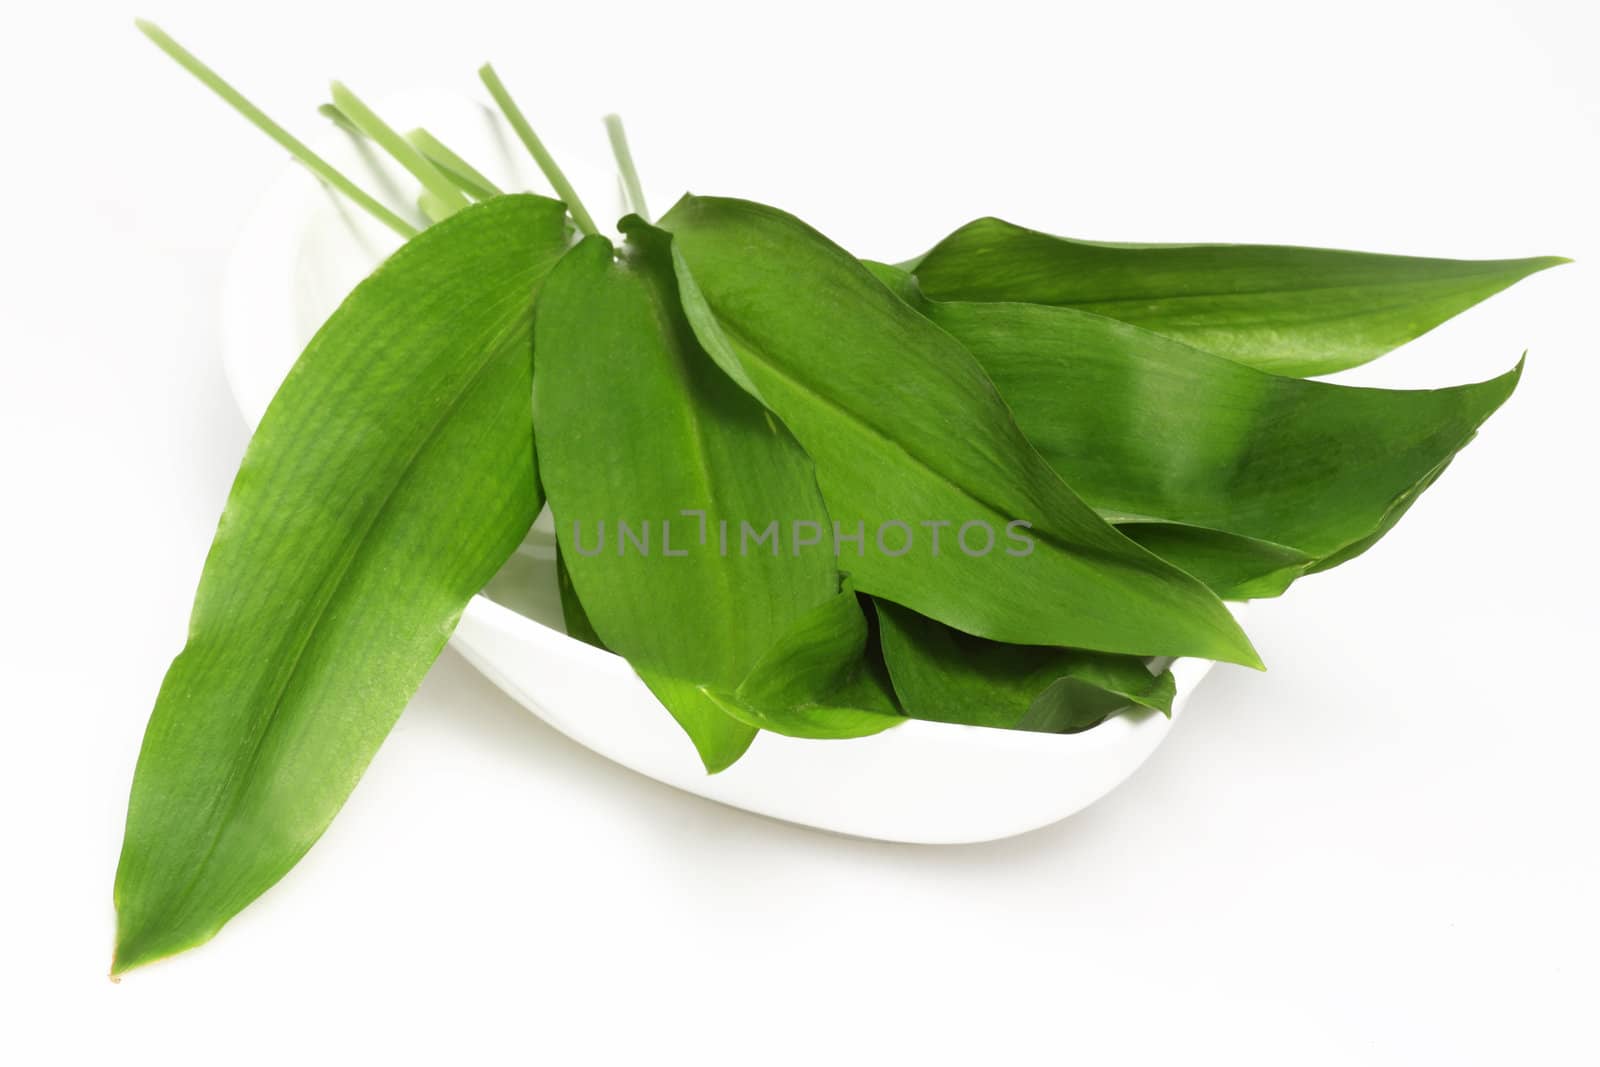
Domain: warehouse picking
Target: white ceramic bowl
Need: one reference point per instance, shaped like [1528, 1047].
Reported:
[924, 782]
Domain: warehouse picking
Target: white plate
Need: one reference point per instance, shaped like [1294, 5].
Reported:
[302, 252]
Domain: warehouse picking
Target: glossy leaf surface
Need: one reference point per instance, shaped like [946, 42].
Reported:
[390, 477]
[1147, 428]
[1294, 311]
[637, 425]
[948, 676]
[573, 615]
[906, 430]
[1233, 567]
[823, 679]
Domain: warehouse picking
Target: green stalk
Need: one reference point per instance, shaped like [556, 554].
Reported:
[536, 149]
[434, 209]
[630, 176]
[458, 170]
[339, 119]
[367, 121]
[313, 162]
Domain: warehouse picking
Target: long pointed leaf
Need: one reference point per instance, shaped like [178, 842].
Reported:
[390, 477]
[948, 676]
[1148, 428]
[1296, 311]
[638, 425]
[905, 430]
[824, 679]
[1232, 566]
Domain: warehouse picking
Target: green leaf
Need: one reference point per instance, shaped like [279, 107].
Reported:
[1150, 429]
[945, 675]
[905, 428]
[1295, 311]
[573, 614]
[1233, 567]
[390, 477]
[823, 679]
[637, 425]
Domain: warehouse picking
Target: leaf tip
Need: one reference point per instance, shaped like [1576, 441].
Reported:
[145, 938]
[1243, 652]
[136, 951]
[1516, 270]
[716, 763]
[121, 964]
[126, 955]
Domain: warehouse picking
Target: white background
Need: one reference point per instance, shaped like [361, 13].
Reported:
[1381, 851]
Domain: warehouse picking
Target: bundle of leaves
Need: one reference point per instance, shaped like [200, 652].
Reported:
[999, 485]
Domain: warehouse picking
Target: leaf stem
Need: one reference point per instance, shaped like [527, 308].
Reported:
[315, 163]
[536, 148]
[445, 194]
[464, 174]
[624, 156]
[339, 119]
[433, 208]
